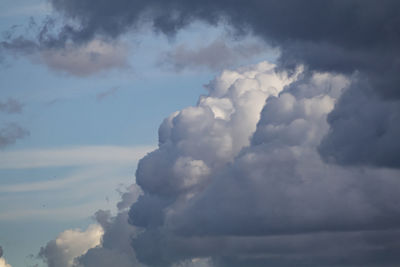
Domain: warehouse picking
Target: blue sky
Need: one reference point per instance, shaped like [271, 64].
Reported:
[185, 133]
[52, 178]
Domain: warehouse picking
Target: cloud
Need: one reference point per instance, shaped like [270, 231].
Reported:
[76, 59]
[11, 106]
[364, 40]
[3, 262]
[111, 236]
[216, 55]
[10, 133]
[242, 184]
[237, 180]
[59, 214]
[71, 156]
[70, 244]
[87, 59]
[55, 184]
[25, 10]
[358, 109]
[115, 248]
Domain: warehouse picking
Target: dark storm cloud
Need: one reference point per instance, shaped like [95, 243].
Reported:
[363, 35]
[357, 32]
[364, 129]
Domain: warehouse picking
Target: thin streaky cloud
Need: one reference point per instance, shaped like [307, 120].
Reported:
[54, 214]
[72, 179]
[72, 156]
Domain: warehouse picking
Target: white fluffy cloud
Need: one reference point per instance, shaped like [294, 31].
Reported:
[3, 263]
[70, 244]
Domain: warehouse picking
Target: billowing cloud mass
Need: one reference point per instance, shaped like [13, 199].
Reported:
[115, 248]
[336, 36]
[278, 165]
[70, 244]
[244, 185]
[237, 180]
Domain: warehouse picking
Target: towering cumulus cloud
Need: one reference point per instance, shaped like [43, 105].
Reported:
[69, 245]
[237, 180]
[278, 165]
[244, 189]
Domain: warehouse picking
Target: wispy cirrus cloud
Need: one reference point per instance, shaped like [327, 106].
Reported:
[72, 156]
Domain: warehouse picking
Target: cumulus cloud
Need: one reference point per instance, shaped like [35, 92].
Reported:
[108, 243]
[70, 244]
[10, 133]
[358, 109]
[216, 55]
[3, 262]
[237, 183]
[238, 180]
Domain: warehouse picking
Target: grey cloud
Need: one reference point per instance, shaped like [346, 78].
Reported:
[70, 244]
[85, 59]
[237, 180]
[357, 32]
[1, 252]
[10, 133]
[11, 106]
[106, 243]
[77, 59]
[115, 248]
[272, 201]
[351, 139]
[216, 55]
[336, 36]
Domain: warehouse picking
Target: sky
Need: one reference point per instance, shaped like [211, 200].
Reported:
[199, 133]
